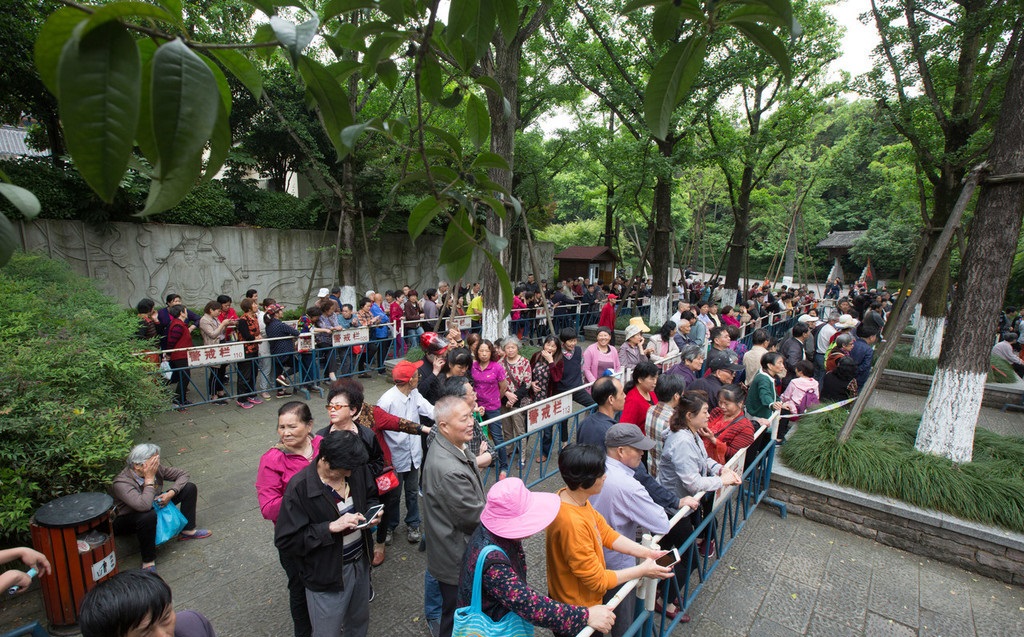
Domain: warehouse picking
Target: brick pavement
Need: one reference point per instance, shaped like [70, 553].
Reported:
[785, 577]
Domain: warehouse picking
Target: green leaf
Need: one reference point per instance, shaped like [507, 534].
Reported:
[98, 78]
[144, 133]
[220, 143]
[478, 122]
[334, 8]
[508, 18]
[264, 34]
[456, 269]
[487, 159]
[54, 33]
[445, 174]
[349, 136]
[22, 199]
[222, 82]
[495, 242]
[769, 43]
[294, 37]
[387, 71]
[636, 4]
[421, 216]
[753, 14]
[670, 82]
[382, 47]
[461, 16]
[394, 10]
[450, 140]
[8, 239]
[342, 69]
[185, 101]
[118, 10]
[173, 7]
[459, 238]
[489, 83]
[485, 182]
[431, 84]
[494, 204]
[665, 23]
[452, 100]
[243, 70]
[503, 281]
[781, 8]
[331, 100]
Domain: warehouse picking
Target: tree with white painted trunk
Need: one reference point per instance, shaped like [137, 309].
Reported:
[940, 73]
[954, 401]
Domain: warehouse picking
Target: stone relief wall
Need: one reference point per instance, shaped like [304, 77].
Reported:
[131, 261]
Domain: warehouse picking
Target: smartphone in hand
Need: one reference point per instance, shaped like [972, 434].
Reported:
[668, 559]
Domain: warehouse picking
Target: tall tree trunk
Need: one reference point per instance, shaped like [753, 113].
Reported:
[609, 207]
[954, 400]
[789, 263]
[932, 320]
[738, 241]
[662, 244]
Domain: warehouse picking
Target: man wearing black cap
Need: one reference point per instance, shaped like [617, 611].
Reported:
[722, 373]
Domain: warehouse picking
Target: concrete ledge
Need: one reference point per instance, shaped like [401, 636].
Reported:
[987, 550]
[996, 394]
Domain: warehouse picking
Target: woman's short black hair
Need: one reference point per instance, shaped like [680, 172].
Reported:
[668, 328]
[668, 386]
[643, 369]
[771, 358]
[350, 389]
[145, 306]
[581, 465]
[343, 450]
[297, 407]
[459, 356]
[118, 605]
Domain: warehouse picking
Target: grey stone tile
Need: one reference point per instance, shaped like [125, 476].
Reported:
[951, 623]
[878, 626]
[767, 628]
[789, 603]
[842, 600]
[826, 626]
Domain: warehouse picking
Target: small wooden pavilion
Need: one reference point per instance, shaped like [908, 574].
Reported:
[594, 263]
[838, 243]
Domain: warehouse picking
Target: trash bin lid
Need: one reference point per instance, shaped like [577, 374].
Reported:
[72, 510]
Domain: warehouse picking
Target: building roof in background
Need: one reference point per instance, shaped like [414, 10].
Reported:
[12, 143]
[587, 253]
[841, 238]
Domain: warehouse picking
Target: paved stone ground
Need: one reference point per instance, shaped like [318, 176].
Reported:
[785, 577]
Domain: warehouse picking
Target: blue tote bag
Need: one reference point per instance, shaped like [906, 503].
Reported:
[471, 621]
[169, 521]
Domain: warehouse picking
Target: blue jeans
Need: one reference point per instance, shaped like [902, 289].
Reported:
[409, 481]
[431, 596]
[498, 437]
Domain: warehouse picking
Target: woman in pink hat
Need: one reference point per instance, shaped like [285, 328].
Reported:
[513, 513]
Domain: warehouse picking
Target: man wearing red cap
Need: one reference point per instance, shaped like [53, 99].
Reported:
[404, 400]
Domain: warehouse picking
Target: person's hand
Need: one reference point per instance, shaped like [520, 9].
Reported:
[36, 560]
[480, 410]
[483, 447]
[548, 356]
[377, 518]
[650, 568]
[511, 398]
[346, 522]
[600, 618]
[690, 502]
[438, 364]
[19, 579]
[150, 467]
[164, 498]
[705, 432]
[776, 406]
[730, 477]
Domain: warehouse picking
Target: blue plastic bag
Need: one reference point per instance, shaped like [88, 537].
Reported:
[169, 521]
[471, 621]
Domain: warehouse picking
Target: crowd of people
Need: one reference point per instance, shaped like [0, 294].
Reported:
[696, 396]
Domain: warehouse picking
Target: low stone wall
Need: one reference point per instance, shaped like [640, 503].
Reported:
[996, 394]
[990, 551]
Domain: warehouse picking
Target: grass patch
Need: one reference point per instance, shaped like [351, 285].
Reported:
[901, 361]
[880, 458]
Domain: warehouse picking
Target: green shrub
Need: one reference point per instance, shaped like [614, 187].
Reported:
[999, 372]
[880, 458]
[207, 204]
[281, 210]
[72, 394]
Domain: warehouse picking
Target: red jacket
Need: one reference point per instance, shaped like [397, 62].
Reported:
[178, 336]
[635, 409]
[607, 318]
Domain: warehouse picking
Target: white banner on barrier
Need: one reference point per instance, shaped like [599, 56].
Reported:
[216, 354]
[736, 464]
[460, 323]
[354, 336]
[305, 342]
[549, 411]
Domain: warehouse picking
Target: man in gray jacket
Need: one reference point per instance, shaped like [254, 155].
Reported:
[453, 497]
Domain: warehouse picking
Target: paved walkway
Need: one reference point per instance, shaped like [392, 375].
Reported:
[786, 577]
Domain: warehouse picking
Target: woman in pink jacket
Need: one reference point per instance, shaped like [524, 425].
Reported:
[294, 452]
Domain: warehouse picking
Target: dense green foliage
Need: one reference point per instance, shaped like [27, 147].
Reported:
[72, 395]
[999, 372]
[880, 458]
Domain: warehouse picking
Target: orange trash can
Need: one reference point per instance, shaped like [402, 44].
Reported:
[75, 533]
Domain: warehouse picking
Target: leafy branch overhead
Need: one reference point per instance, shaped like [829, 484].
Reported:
[131, 77]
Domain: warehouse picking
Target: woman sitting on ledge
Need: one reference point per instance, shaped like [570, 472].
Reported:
[141, 484]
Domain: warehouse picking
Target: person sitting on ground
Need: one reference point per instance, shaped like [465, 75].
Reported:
[511, 514]
[137, 604]
[840, 383]
[802, 392]
[640, 396]
[664, 344]
[691, 361]
[720, 374]
[1004, 350]
[576, 569]
[138, 487]
[14, 577]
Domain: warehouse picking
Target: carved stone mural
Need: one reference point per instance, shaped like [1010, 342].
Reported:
[132, 261]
